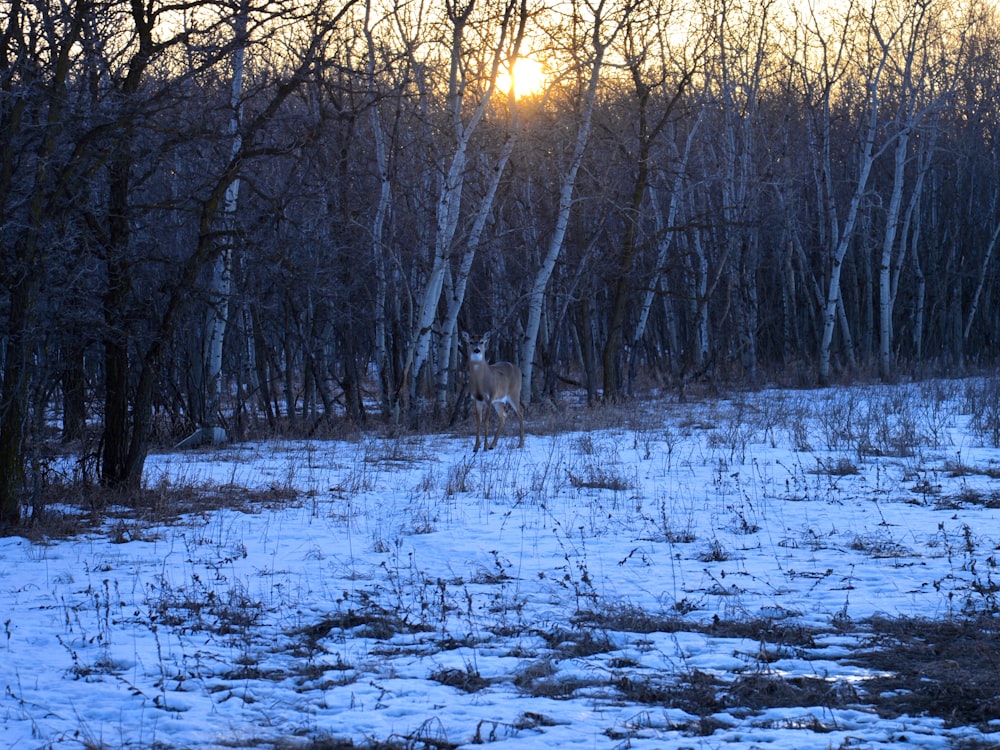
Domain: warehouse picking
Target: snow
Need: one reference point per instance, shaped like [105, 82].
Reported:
[407, 590]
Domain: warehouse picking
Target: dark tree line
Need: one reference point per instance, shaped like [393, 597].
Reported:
[247, 216]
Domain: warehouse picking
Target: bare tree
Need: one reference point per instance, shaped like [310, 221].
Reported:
[643, 38]
[37, 124]
[918, 83]
[601, 21]
[127, 430]
[823, 66]
[217, 314]
[463, 80]
[494, 173]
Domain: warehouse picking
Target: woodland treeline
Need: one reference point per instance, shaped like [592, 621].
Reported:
[228, 217]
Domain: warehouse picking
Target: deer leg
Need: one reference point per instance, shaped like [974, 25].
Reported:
[480, 407]
[501, 418]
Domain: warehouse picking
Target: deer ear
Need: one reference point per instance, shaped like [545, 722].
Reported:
[465, 336]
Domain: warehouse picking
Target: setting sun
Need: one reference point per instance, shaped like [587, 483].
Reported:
[527, 76]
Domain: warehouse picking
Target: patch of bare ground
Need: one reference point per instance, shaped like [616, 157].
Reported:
[948, 669]
[64, 510]
[944, 668]
[415, 742]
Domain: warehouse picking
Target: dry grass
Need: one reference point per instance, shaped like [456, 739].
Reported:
[64, 509]
[945, 668]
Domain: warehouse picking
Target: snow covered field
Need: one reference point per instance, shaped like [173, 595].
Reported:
[785, 569]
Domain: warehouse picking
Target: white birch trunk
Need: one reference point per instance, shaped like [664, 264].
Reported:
[843, 242]
[447, 214]
[664, 229]
[921, 298]
[701, 332]
[885, 265]
[217, 316]
[974, 307]
[450, 199]
[222, 274]
[382, 363]
[663, 225]
[449, 328]
[536, 297]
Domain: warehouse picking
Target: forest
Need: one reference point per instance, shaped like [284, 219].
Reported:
[229, 218]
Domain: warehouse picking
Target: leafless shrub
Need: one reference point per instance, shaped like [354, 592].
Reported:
[577, 644]
[672, 524]
[961, 469]
[468, 680]
[551, 419]
[837, 416]
[541, 679]
[598, 477]
[879, 544]
[768, 411]
[66, 509]
[798, 423]
[626, 617]
[536, 672]
[982, 401]
[937, 410]
[459, 477]
[401, 450]
[875, 421]
[970, 495]
[199, 607]
[758, 691]
[716, 552]
[735, 432]
[841, 467]
[694, 691]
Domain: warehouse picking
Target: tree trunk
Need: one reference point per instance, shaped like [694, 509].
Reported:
[117, 430]
[13, 410]
[74, 388]
[449, 328]
[383, 362]
[536, 297]
[217, 316]
[980, 282]
[699, 304]
[450, 198]
[843, 242]
[29, 254]
[885, 264]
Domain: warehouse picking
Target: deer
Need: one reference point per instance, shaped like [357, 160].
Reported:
[495, 385]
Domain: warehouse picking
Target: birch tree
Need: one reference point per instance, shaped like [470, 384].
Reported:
[919, 85]
[740, 75]
[462, 82]
[655, 77]
[494, 171]
[823, 64]
[602, 20]
[127, 431]
[220, 285]
[383, 206]
[666, 233]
